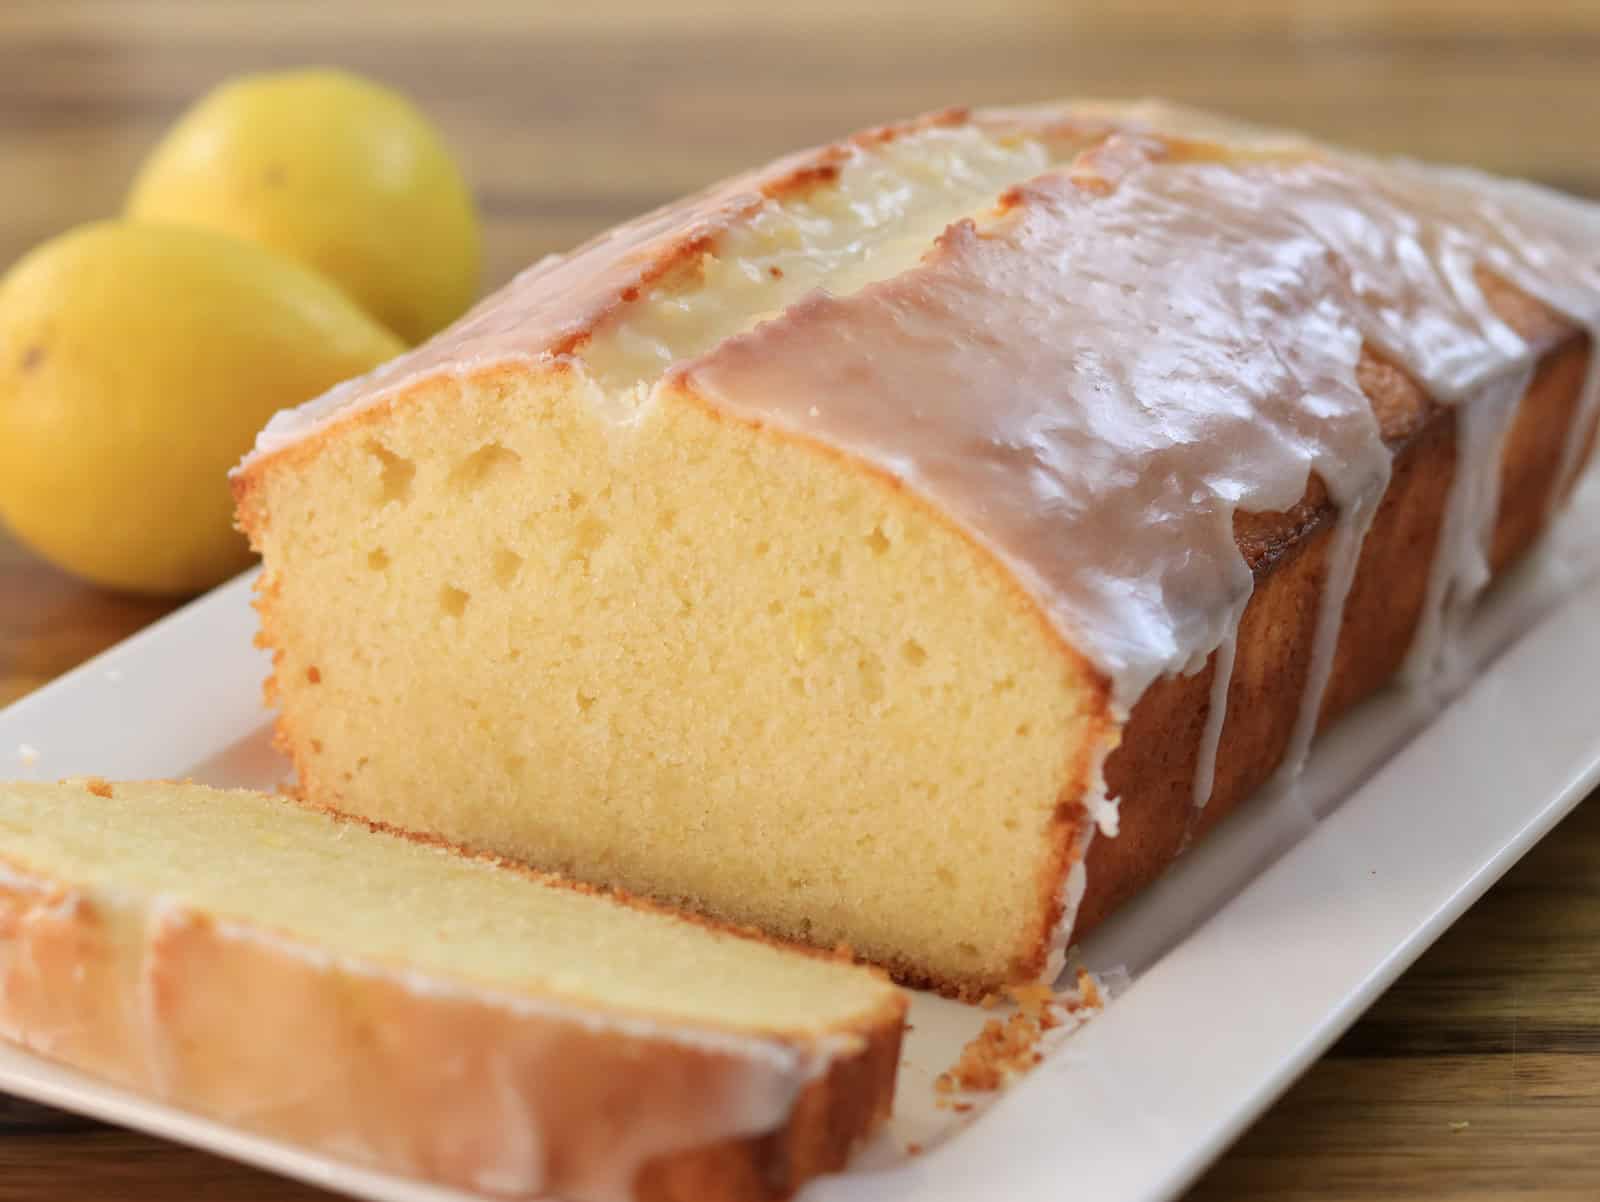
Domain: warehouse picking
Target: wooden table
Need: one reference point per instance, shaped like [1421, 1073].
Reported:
[1478, 1074]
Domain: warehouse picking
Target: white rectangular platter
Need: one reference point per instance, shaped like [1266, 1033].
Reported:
[1244, 962]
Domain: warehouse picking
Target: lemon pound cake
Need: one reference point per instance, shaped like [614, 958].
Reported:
[392, 1002]
[918, 542]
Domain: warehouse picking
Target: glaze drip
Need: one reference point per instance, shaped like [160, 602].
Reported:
[1460, 568]
[1205, 772]
[1416, 240]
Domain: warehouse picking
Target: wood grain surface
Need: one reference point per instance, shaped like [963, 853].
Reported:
[1478, 1075]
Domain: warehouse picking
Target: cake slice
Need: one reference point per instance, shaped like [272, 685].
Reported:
[920, 541]
[390, 1001]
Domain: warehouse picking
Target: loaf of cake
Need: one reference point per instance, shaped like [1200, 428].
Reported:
[392, 1002]
[918, 542]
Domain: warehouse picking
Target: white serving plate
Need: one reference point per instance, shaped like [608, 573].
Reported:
[1246, 961]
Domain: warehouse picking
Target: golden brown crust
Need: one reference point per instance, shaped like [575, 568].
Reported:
[830, 1117]
[441, 1084]
[1152, 771]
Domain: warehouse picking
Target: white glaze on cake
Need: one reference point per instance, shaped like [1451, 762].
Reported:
[1460, 569]
[672, 283]
[1095, 374]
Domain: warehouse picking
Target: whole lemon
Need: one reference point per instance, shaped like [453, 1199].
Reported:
[137, 362]
[336, 171]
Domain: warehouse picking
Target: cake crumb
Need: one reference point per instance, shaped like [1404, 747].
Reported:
[998, 1050]
[1031, 999]
[1089, 993]
[28, 754]
[1460, 1125]
[98, 785]
[913, 1149]
[1007, 1049]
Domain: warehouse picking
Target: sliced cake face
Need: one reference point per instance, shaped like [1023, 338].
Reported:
[658, 647]
[862, 501]
[682, 655]
[391, 1002]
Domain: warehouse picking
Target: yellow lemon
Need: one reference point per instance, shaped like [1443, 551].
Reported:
[333, 170]
[137, 362]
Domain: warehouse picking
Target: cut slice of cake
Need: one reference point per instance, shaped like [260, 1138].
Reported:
[390, 1001]
[918, 542]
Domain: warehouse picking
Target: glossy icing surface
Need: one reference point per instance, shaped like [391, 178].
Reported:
[672, 283]
[873, 221]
